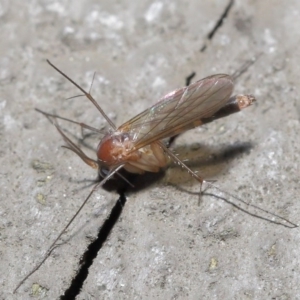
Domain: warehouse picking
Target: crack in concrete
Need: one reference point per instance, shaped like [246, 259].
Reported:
[92, 250]
[218, 24]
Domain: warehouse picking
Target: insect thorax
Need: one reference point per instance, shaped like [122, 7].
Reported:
[116, 148]
[119, 148]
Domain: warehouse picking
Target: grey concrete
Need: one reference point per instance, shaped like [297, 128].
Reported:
[165, 246]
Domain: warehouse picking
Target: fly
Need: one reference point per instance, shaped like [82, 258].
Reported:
[137, 145]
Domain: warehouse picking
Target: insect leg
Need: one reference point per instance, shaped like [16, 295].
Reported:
[176, 159]
[54, 245]
[71, 146]
[282, 221]
[82, 125]
[88, 95]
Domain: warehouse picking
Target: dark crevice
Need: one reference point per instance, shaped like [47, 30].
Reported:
[221, 20]
[218, 24]
[189, 78]
[92, 250]
[203, 48]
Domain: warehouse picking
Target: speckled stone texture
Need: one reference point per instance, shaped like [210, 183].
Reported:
[165, 245]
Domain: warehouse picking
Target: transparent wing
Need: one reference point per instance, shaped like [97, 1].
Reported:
[180, 110]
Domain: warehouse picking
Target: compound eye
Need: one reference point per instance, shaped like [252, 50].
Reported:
[103, 171]
[105, 149]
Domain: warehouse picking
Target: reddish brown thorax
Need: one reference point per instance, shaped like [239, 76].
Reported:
[116, 148]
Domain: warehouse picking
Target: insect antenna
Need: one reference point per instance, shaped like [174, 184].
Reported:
[88, 95]
[54, 244]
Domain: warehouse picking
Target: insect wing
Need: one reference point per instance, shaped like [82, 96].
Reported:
[180, 110]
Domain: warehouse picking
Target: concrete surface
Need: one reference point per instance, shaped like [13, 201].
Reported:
[165, 245]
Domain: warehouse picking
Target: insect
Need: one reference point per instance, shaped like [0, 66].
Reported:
[137, 146]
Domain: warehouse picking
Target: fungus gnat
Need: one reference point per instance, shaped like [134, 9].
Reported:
[137, 145]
